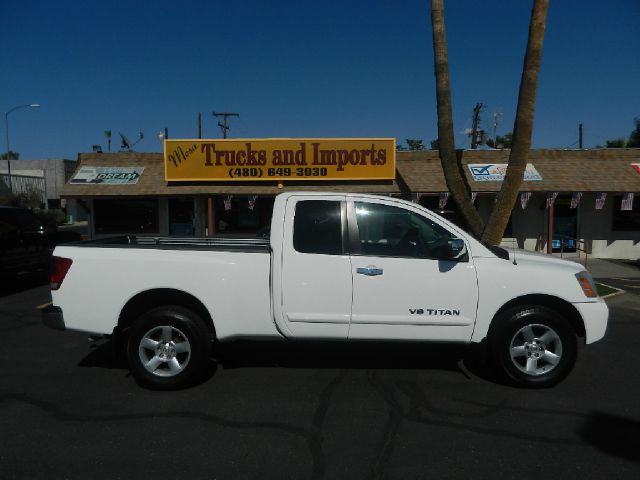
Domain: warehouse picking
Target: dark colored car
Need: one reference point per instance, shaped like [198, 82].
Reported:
[25, 243]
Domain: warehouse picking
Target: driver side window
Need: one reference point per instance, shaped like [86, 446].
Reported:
[386, 231]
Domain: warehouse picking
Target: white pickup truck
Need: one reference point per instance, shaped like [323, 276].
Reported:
[336, 266]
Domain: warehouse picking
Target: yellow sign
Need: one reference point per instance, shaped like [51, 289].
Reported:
[280, 159]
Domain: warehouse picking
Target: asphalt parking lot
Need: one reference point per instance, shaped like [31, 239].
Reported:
[68, 409]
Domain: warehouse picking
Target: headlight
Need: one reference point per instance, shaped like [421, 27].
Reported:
[586, 283]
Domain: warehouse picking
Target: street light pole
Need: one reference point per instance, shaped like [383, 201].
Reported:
[6, 125]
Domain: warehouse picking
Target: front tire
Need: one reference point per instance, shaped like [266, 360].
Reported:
[168, 348]
[533, 347]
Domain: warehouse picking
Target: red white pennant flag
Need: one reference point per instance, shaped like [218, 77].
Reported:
[473, 197]
[252, 201]
[444, 196]
[227, 202]
[524, 199]
[575, 199]
[627, 201]
[551, 198]
[600, 199]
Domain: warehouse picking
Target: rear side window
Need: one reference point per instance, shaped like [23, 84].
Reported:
[317, 227]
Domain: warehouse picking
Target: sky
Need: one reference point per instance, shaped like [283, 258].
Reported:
[348, 68]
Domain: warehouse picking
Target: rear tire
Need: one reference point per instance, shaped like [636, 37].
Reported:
[168, 348]
[532, 346]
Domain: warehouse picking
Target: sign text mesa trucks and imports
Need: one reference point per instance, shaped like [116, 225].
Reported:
[336, 266]
[280, 159]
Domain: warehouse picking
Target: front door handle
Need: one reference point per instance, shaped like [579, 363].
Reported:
[369, 271]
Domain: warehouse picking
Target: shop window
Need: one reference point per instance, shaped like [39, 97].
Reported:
[450, 212]
[626, 220]
[239, 218]
[126, 216]
[181, 217]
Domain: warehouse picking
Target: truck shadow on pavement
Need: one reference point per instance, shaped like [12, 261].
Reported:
[462, 359]
[612, 434]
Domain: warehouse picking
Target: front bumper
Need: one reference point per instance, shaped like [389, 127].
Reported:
[52, 317]
[595, 316]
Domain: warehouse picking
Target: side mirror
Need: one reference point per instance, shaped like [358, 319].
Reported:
[451, 250]
[456, 246]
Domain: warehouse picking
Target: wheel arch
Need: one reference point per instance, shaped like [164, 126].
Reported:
[149, 299]
[556, 304]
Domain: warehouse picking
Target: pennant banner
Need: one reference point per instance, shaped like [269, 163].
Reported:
[627, 201]
[444, 197]
[252, 201]
[575, 199]
[227, 202]
[551, 198]
[524, 199]
[473, 197]
[600, 199]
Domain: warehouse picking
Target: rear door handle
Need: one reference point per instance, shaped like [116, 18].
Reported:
[369, 271]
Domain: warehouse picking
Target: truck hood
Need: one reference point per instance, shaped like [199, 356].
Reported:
[527, 258]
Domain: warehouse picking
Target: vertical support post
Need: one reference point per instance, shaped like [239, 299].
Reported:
[550, 229]
[6, 124]
[210, 217]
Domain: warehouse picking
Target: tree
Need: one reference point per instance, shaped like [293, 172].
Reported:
[492, 231]
[435, 145]
[6, 197]
[10, 155]
[501, 142]
[31, 198]
[415, 144]
[447, 150]
[634, 138]
[632, 142]
[616, 143]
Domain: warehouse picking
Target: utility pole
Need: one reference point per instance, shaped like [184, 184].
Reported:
[496, 120]
[210, 207]
[580, 136]
[474, 128]
[223, 126]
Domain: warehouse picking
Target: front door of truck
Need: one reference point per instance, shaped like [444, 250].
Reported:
[403, 288]
[316, 270]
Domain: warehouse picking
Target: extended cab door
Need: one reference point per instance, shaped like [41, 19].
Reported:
[403, 287]
[316, 270]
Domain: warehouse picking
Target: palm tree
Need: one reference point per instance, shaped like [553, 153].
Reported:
[522, 128]
[456, 181]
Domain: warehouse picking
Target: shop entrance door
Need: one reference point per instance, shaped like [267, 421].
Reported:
[565, 225]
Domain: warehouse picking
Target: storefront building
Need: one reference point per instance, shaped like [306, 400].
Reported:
[571, 200]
